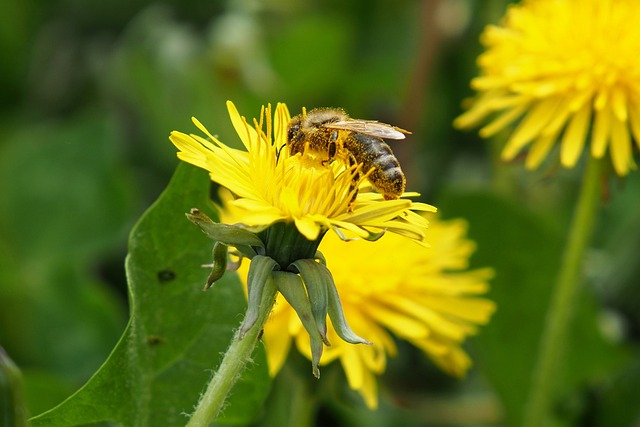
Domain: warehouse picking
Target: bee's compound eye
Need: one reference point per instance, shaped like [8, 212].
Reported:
[294, 133]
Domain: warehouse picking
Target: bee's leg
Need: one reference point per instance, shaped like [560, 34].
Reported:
[354, 182]
[332, 149]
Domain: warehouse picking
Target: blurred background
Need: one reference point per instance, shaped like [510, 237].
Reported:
[91, 90]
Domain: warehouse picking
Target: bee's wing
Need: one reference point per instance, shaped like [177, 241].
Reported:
[369, 127]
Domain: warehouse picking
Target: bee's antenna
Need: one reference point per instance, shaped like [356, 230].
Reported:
[278, 151]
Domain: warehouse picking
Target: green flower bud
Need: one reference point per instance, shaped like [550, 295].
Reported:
[219, 266]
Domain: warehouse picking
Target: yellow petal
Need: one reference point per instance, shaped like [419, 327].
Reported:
[634, 120]
[246, 133]
[539, 150]
[280, 124]
[601, 131]
[355, 229]
[474, 115]
[473, 310]
[531, 126]
[559, 120]
[277, 343]
[503, 121]
[353, 367]
[619, 104]
[403, 229]
[398, 322]
[620, 147]
[307, 227]
[258, 210]
[383, 210]
[451, 359]
[369, 391]
[574, 137]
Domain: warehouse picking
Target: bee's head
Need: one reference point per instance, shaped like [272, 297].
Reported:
[294, 133]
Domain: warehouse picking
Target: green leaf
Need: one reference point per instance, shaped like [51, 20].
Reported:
[525, 253]
[176, 333]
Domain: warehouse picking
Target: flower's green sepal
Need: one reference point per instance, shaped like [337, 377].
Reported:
[320, 258]
[372, 237]
[246, 251]
[284, 243]
[232, 235]
[292, 289]
[337, 317]
[219, 266]
[341, 235]
[234, 265]
[315, 275]
[260, 271]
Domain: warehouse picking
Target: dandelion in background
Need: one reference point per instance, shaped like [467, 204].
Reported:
[564, 72]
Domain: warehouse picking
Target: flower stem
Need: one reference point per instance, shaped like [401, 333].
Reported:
[13, 410]
[232, 365]
[554, 335]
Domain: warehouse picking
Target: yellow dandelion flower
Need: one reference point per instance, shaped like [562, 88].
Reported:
[271, 186]
[394, 288]
[566, 72]
[282, 205]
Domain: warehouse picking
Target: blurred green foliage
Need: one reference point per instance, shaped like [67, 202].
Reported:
[90, 91]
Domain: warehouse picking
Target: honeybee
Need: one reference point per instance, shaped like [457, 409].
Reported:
[331, 133]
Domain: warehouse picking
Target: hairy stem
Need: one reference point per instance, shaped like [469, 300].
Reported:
[232, 365]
